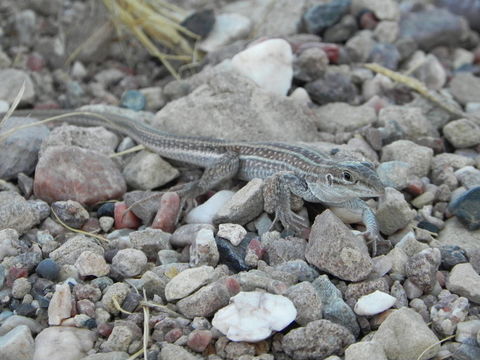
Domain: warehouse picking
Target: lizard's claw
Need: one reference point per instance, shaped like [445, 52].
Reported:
[372, 238]
[292, 221]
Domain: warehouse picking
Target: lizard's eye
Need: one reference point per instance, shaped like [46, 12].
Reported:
[347, 176]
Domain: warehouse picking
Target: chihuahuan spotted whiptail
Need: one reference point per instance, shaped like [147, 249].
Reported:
[298, 170]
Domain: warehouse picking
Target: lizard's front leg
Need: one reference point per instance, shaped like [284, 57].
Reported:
[280, 187]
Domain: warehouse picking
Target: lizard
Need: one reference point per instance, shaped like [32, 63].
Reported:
[310, 174]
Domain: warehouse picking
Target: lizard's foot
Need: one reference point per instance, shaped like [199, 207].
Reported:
[292, 221]
[372, 238]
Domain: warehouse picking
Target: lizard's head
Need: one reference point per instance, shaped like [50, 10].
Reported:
[347, 180]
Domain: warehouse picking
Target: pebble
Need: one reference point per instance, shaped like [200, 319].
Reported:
[317, 340]
[419, 157]
[117, 291]
[167, 215]
[449, 311]
[322, 16]
[464, 281]
[406, 123]
[365, 350]
[245, 205]
[176, 352]
[20, 149]
[198, 340]
[360, 46]
[124, 219]
[17, 344]
[467, 208]
[63, 343]
[12, 81]
[306, 301]
[150, 241]
[133, 100]
[395, 174]
[205, 213]
[462, 133]
[154, 97]
[200, 22]
[20, 288]
[467, 332]
[8, 240]
[232, 232]
[309, 65]
[383, 10]
[279, 250]
[106, 223]
[228, 28]
[268, 64]
[468, 176]
[71, 213]
[422, 267]
[333, 87]
[92, 264]
[147, 170]
[465, 87]
[235, 256]
[400, 322]
[106, 209]
[374, 303]
[352, 117]
[129, 262]
[452, 255]
[70, 251]
[185, 234]
[68, 172]
[385, 55]
[60, 307]
[334, 249]
[252, 316]
[204, 249]
[188, 281]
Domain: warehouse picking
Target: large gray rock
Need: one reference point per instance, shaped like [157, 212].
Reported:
[419, 157]
[17, 213]
[230, 106]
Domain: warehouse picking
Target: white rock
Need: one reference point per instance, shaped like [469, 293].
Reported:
[232, 232]
[4, 106]
[90, 263]
[301, 95]
[17, 344]
[63, 343]
[60, 307]
[204, 213]
[187, 282]
[252, 316]
[204, 249]
[227, 29]
[7, 248]
[268, 64]
[374, 303]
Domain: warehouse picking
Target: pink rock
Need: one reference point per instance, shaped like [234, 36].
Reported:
[198, 340]
[167, 214]
[332, 51]
[73, 173]
[123, 219]
[256, 246]
[105, 329]
[35, 62]
[415, 187]
[173, 335]
[14, 273]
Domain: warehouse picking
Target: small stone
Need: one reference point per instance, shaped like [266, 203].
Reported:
[8, 239]
[200, 22]
[48, 269]
[394, 174]
[17, 344]
[106, 209]
[449, 311]
[322, 16]
[205, 213]
[68, 253]
[465, 87]
[374, 303]
[60, 307]
[92, 264]
[341, 117]
[279, 250]
[245, 205]
[147, 170]
[333, 248]
[155, 98]
[129, 262]
[385, 55]
[464, 281]
[204, 249]
[467, 332]
[198, 340]
[427, 198]
[266, 312]
[176, 352]
[452, 255]
[167, 215]
[119, 339]
[150, 241]
[63, 343]
[333, 87]
[133, 100]
[421, 268]
[227, 29]
[360, 46]
[400, 322]
[306, 301]
[117, 291]
[317, 340]
[188, 281]
[185, 235]
[467, 208]
[462, 133]
[365, 350]
[232, 232]
[309, 65]
[16, 213]
[71, 213]
[468, 176]
[106, 223]
[268, 64]
[406, 123]
[125, 219]
[233, 256]
[12, 81]
[20, 288]
[393, 212]
[419, 157]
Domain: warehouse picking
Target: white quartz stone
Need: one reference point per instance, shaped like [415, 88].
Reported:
[374, 303]
[268, 64]
[204, 213]
[252, 316]
[187, 282]
[232, 232]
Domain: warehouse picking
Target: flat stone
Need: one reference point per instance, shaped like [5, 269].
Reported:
[465, 281]
[187, 282]
[70, 251]
[129, 262]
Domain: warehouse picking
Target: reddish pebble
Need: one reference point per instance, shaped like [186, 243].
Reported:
[86, 307]
[92, 225]
[332, 51]
[232, 285]
[14, 274]
[35, 62]
[167, 214]
[256, 246]
[105, 329]
[368, 20]
[476, 56]
[125, 219]
[173, 335]
[415, 187]
[198, 340]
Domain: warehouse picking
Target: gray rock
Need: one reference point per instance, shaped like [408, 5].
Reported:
[454, 233]
[20, 149]
[12, 80]
[406, 123]
[365, 350]
[15, 321]
[113, 355]
[70, 251]
[467, 332]
[129, 262]
[92, 264]
[464, 281]
[227, 29]
[422, 268]
[342, 117]
[310, 64]
[356, 290]
[419, 157]
[385, 55]
[322, 16]
[333, 87]
[467, 208]
[393, 212]
[16, 213]
[394, 174]
[433, 27]
[386, 31]
[318, 339]
[150, 241]
[449, 311]
[91, 138]
[360, 46]
[117, 291]
[71, 213]
[63, 342]
[8, 240]
[300, 268]
[468, 176]
[188, 281]
[185, 235]
[400, 323]
[334, 249]
[462, 133]
[307, 302]
[383, 10]
[119, 339]
[21, 287]
[147, 170]
[245, 205]
[176, 352]
[465, 87]
[227, 105]
[334, 308]
[281, 250]
[456, 161]
[17, 344]
[204, 250]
